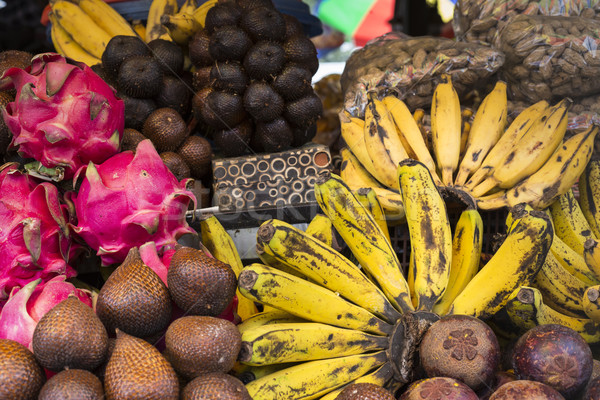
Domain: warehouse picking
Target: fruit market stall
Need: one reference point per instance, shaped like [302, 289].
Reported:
[187, 213]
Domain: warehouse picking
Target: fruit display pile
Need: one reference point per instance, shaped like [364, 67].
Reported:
[109, 288]
[254, 78]
[497, 164]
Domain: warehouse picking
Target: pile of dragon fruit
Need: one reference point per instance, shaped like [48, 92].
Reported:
[80, 195]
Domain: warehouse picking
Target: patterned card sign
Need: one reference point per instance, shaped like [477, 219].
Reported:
[267, 180]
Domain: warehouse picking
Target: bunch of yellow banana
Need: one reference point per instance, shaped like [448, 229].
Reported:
[528, 161]
[358, 315]
[566, 289]
[81, 29]
[167, 21]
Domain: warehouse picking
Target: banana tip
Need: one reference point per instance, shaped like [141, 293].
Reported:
[247, 279]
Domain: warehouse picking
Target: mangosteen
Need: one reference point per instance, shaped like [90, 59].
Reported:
[439, 388]
[229, 43]
[555, 355]
[364, 390]
[262, 102]
[140, 77]
[263, 23]
[264, 60]
[525, 389]
[461, 347]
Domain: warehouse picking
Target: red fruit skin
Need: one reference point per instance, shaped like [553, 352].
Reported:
[554, 355]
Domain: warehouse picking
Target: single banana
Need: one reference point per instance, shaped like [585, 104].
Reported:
[199, 13]
[221, 246]
[516, 262]
[430, 232]
[518, 127]
[248, 373]
[464, 138]
[323, 265]
[378, 377]
[466, 255]
[321, 228]
[368, 198]
[66, 46]
[531, 152]
[304, 341]
[569, 223]
[81, 27]
[493, 201]
[487, 128]
[280, 264]
[526, 309]
[268, 318]
[107, 18]
[410, 133]
[306, 300]
[313, 379]
[591, 303]
[154, 28]
[419, 117]
[446, 123]
[573, 262]
[356, 176]
[364, 237]
[589, 195]
[353, 133]
[558, 174]
[181, 27]
[382, 141]
[560, 289]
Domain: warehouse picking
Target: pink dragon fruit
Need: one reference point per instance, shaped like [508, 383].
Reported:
[34, 234]
[128, 200]
[64, 115]
[27, 305]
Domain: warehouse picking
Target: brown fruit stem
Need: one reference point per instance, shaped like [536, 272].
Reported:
[247, 279]
[265, 234]
[404, 343]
